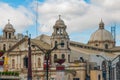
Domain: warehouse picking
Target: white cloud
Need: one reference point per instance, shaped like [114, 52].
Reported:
[20, 17]
[77, 14]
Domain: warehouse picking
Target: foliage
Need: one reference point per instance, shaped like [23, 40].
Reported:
[9, 73]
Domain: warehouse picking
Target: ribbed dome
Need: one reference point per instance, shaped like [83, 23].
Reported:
[101, 35]
[60, 23]
[9, 27]
[102, 38]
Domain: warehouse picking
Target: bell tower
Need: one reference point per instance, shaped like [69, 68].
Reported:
[8, 31]
[60, 35]
[8, 39]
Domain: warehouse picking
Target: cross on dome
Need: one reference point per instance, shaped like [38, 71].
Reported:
[59, 17]
[8, 20]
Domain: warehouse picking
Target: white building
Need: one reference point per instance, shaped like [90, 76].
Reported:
[80, 59]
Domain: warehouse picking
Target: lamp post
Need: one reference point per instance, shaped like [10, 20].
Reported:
[47, 58]
[109, 64]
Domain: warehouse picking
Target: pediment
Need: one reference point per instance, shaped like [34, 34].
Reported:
[22, 45]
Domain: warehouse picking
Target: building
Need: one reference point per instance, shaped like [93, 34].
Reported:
[8, 39]
[80, 63]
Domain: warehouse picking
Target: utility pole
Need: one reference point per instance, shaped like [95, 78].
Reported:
[29, 60]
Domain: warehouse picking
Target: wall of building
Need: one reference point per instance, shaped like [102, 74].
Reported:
[96, 75]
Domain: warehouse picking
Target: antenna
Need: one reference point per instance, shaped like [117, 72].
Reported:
[113, 32]
[36, 17]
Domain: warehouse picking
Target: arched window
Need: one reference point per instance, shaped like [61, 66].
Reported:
[104, 73]
[13, 63]
[106, 46]
[63, 56]
[25, 62]
[56, 43]
[62, 42]
[39, 62]
[4, 47]
[99, 78]
[67, 45]
[9, 35]
[61, 31]
[6, 35]
[55, 57]
[69, 58]
[58, 31]
[96, 44]
[118, 70]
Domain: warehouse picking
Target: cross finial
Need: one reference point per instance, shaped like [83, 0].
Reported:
[59, 17]
[101, 24]
[101, 20]
[8, 20]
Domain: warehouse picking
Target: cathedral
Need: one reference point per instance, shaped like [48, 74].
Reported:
[79, 61]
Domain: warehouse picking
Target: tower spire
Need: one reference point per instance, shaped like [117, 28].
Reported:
[8, 20]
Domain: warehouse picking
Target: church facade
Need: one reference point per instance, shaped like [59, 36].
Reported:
[80, 62]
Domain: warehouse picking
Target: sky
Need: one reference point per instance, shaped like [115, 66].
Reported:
[82, 17]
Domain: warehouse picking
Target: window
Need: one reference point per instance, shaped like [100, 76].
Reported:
[13, 63]
[63, 56]
[99, 77]
[55, 57]
[25, 62]
[4, 47]
[106, 46]
[67, 45]
[104, 69]
[6, 34]
[9, 35]
[55, 43]
[58, 31]
[96, 44]
[39, 62]
[118, 70]
[62, 43]
[69, 58]
[61, 31]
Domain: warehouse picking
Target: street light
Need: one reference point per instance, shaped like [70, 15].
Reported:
[47, 58]
[47, 54]
[109, 64]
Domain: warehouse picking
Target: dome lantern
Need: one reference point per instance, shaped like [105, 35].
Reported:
[101, 25]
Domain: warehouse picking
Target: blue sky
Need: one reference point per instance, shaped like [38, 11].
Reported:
[82, 17]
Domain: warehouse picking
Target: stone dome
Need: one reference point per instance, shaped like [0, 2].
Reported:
[60, 23]
[101, 35]
[102, 38]
[9, 27]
